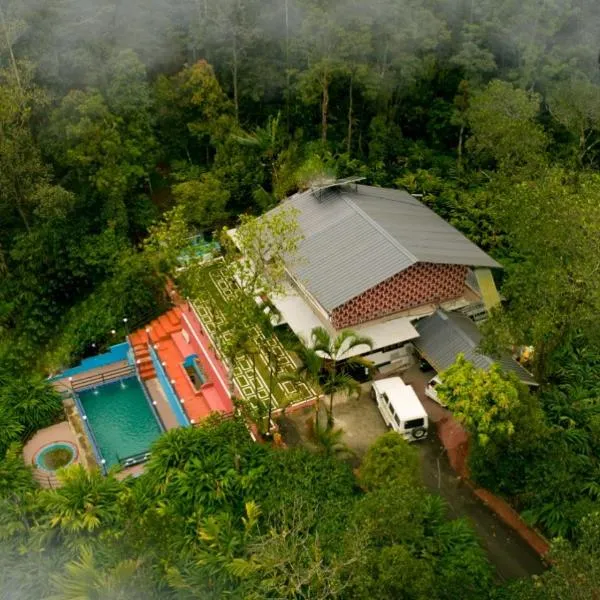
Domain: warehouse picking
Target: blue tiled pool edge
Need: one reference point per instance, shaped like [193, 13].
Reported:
[116, 353]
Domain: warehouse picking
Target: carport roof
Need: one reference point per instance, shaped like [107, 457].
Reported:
[444, 335]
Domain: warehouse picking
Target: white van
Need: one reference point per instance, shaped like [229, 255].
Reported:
[400, 408]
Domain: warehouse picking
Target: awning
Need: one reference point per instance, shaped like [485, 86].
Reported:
[302, 319]
[444, 335]
[296, 312]
[387, 333]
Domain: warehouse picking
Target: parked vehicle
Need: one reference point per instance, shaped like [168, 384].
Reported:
[400, 408]
[431, 392]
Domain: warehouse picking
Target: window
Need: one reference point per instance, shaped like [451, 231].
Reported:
[397, 419]
[414, 423]
[433, 383]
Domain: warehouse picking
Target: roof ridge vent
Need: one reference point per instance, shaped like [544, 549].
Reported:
[383, 231]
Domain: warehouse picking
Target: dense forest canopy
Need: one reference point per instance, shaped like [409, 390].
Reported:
[127, 125]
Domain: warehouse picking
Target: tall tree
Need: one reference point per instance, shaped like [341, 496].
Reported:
[575, 104]
[552, 222]
[21, 166]
[502, 120]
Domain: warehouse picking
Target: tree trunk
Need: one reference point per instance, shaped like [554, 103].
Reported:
[254, 374]
[350, 103]
[232, 382]
[324, 108]
[3, 265]
[198, 29]
[460, 147]
[235, 78]
[10, 50]
[287, 67]
[23, 217]
[17, 189]
[330, 413]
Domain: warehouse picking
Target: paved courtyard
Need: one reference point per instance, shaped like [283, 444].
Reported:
[61, 432]
[252, 374]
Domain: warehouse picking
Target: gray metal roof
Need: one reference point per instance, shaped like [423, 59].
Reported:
[356, 236]
[445, 335]
[418, 229]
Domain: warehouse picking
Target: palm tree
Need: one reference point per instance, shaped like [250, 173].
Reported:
[307, 372]
[268, 141]
[338, 382]
[85, 502]
[334, 351]
[33, 400]
[83, 579]
[329, 441]
[321, 361]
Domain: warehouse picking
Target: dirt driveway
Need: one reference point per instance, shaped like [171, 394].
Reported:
[362, 423]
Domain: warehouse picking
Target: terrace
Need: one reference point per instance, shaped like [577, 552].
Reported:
[255, 373]
[118, 403]
[168, 374]
[174, 351]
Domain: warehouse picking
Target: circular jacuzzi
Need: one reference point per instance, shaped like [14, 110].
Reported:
[55, 456]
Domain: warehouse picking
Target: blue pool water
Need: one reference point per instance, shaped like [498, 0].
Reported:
[120, 418]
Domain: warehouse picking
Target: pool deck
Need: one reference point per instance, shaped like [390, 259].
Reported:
[155, 391]
[61, 432]
[95, 375]
[134, 471]
[176, 336]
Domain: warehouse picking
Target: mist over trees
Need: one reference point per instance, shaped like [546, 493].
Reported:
[127, 125]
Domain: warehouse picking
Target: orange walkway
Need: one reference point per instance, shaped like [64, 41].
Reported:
[175, 336]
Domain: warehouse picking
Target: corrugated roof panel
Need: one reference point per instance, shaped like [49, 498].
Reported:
[357, 236]
[336, 263]
[423, 233]
[445, 335]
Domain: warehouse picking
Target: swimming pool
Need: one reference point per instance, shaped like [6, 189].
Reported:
[120, 418]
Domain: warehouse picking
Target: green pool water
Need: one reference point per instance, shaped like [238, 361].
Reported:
[120, 418]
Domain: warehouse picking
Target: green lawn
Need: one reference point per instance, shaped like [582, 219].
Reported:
[251, 373]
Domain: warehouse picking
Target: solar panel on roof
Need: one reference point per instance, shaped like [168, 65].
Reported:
[331, 193]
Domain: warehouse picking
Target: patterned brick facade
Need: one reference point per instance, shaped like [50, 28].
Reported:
[423, 283]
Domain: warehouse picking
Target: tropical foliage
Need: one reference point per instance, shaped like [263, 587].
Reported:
[126, 126]
[321, 359]
[217, 515]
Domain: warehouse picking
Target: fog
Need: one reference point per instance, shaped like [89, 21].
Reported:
[70, 40]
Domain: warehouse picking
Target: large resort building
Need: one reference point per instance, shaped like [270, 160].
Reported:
[376, 260]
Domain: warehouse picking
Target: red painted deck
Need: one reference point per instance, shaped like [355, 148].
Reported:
[176, 335]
